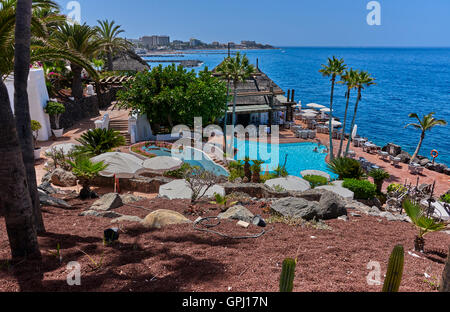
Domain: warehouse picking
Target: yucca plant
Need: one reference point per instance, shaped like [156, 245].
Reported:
[86, 170]
[99, 141]
[256, 171]
[379, 175]
[424, 224]
[346, 168]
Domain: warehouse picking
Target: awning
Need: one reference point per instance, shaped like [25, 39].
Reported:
[248, 109]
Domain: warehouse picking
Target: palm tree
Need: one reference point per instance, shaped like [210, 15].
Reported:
[225, 74]
[425, 124]
[347, 78]
[21, 104]
[362, 81]
[83, 40]
[15, 202]
[334, 68]
[109, 33]
[237, 69]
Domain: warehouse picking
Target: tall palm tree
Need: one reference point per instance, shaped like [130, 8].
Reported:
[425, 124]
[83, 40]
[347, 78]
[15, 201]
[362, 80]
[335, 67]
[109, 33]
[21, 105]
[225, 74]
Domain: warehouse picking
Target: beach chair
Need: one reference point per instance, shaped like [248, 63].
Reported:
[419, 170]
[412, 169]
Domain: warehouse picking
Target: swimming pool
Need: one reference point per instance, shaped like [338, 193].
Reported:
[200, 159]
[298, 156]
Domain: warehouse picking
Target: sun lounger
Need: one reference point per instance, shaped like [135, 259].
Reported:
[419, 170]
[412, 169]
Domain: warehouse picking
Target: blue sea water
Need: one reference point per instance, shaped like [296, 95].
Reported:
[408, 80]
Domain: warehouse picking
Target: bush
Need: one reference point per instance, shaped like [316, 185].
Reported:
[179, 173]
[35, 127]
[55, 109]
[315, 180]
[363, 189]
[99, 141]
[85, 170]
[379, 175]
[236, 170]
[446, 198]
[346, 168]
[396, 188]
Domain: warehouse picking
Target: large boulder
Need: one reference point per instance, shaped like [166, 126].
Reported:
[48, 188]
[100, 213]
[330, 206]
[405, 157]
[126, 219]
[162, 217]
[310, 195]
[179, 189]
[130, 198]
[392, 149]
[63, 178]
[256, 190]
[107, 202]
[290, 183]
[237, 213]
[339, 190]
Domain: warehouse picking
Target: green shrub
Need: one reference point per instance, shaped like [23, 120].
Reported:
[179, 173]
[279, 188]
[346, 168]
[236, 170]
[86, 170]
[396, 188]
[35, 127]
[315, 180]
[446, 198]
[363, 189]
[379, 175]
[55, 109]
[99, 141]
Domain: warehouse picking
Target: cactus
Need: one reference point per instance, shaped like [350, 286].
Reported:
[287, 275]
[395, 270]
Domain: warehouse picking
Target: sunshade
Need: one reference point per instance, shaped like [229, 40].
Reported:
[122, 165]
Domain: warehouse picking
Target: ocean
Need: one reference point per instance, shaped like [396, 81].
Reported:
[408, 80]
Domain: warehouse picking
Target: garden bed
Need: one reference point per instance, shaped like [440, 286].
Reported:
[178, 258]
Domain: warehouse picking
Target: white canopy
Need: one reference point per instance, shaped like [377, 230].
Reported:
[310, 111]
[122, 165]
[325, 110]
[336, 123]
[162, 164]
[355, 130]
[315, 105]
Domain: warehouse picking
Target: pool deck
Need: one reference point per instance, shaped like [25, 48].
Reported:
[398, 174]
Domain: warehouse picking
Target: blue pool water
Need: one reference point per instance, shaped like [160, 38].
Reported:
[298, 156]
[188, 157]
[408, 80]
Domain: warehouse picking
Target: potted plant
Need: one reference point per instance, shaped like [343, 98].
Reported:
[56, 109]
[35, 127]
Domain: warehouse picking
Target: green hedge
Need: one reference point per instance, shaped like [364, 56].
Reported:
[315, 180]
[363, 189]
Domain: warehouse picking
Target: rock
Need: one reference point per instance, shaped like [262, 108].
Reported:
[63, 178]
[130, 198]
[48, 188]
[343, 192]
[237, 213]
[331, 206]
[126, 219]
[295, 208]
[310, 195]
[243, 224]
[343, 218]
[47, 200]
[356, 215]
[316, 173]
[440, 168]
[392, 149]
[100, 213]
[447, 171]
[405, 157]
[257, 190]
[160, 218]
[47, 177]
[290, 183]
[107, 202]
[424, 161]
[179, 189]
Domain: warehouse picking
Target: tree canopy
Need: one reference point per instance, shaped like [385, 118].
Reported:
[172, 95]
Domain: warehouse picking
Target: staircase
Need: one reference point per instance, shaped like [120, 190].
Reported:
[122, 127]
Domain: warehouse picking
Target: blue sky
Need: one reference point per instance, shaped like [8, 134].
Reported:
[279, 22]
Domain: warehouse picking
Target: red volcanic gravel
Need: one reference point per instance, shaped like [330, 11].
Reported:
[179, 258]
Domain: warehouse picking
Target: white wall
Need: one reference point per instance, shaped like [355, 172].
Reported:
[37, 96]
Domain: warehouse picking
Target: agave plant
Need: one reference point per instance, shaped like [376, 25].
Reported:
[86, 170]
[346, 168]
[223, 201]
[424, 224]
[379, 175]
[99, 141]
